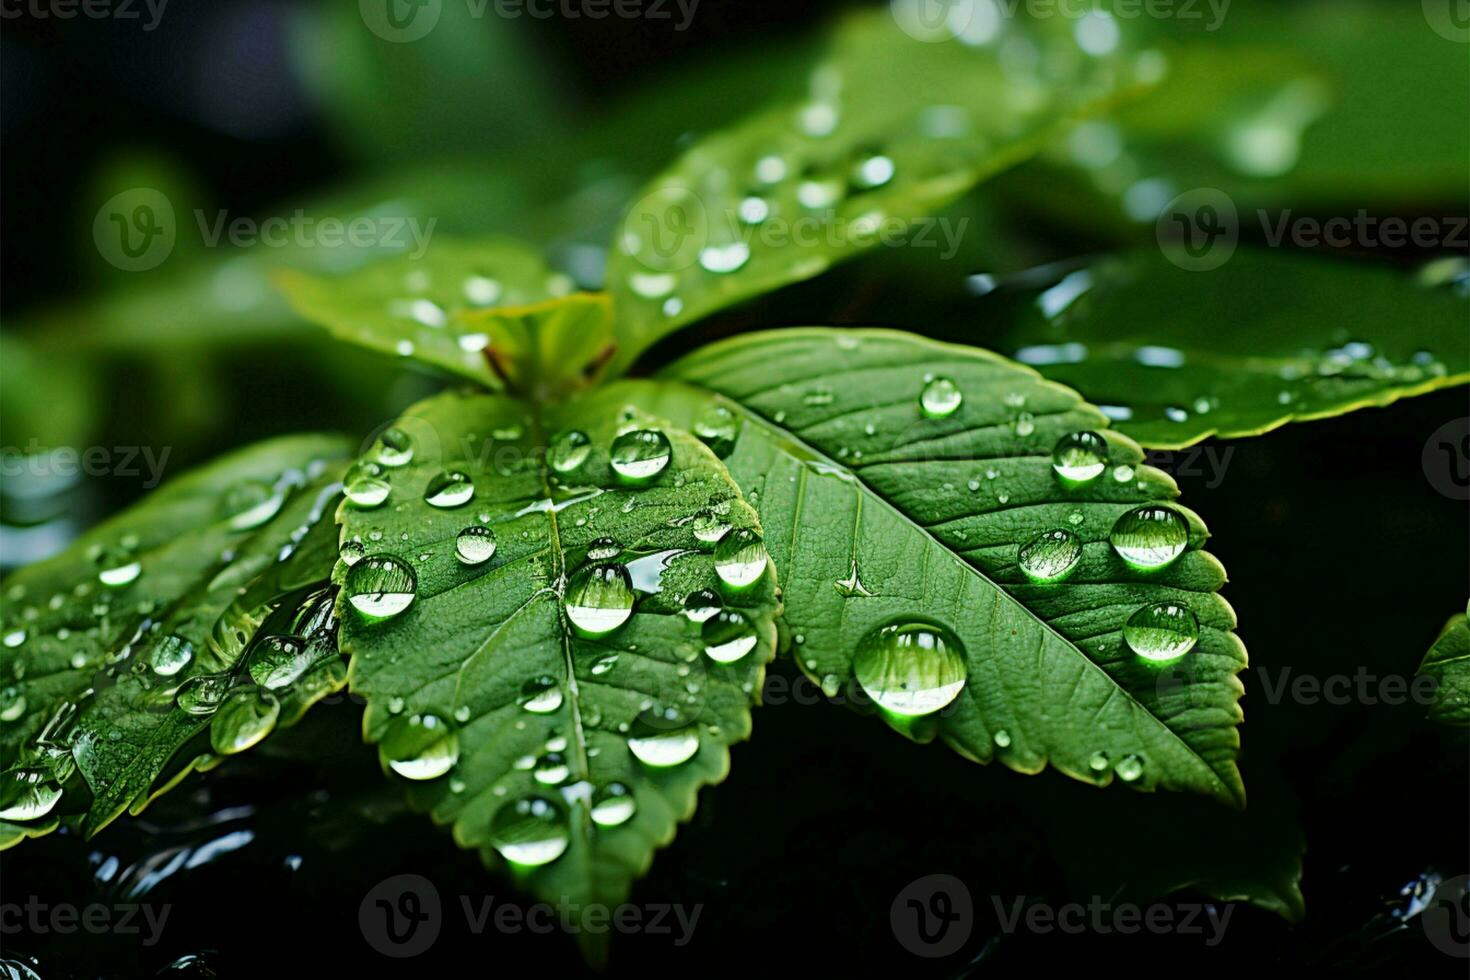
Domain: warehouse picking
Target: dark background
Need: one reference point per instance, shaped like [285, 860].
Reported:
[1341, 556]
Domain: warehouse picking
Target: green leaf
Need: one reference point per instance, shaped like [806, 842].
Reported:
[1267, 338]
[184, 580]
[850, 167]
[878, 515]
[481, 633]
[457, 306]
[1448, 662]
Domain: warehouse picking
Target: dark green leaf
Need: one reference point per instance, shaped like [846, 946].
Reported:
[1448, 662]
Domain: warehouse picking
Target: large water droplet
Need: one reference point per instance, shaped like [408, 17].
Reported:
[701, 604]
[602, 549]
[252, 503]
[245, 717]
[277, 661]
[475, 545]
[551, 769]
[541, 695]
[530, 831]
[451, 488]
[1050, 556]
[599, 599]
[1150, 536]
[202, 693]
[728, 636]
[366, 485]
[420, 747]
[395, 447]
[1162, 631]
[613, 805]
[1080, 456]
[381, 587]
[117, 568]
[740, 558]
[940, 398]
[27, 794]
[911, 668]
[1129, 768]
[708, 528]
[170, 655]
[569, 450]
[663, 738]
[640, 455]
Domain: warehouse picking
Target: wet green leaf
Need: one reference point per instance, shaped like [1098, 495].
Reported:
[892, 129]
[97, 640]
[1448, 662]
[512, 657]
[1267, 338]
[901, 481]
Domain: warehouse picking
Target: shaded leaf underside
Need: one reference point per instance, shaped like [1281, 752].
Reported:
[1448, 662]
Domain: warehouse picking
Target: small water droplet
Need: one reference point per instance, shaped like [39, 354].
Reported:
[1002, 739]
[1161, 631]
[701, 604]
[118, 569]
[569, 450]
[1098, 762]
[1050, 556]
[541, 695]
[599, 599]
[395, 447]
[1150, 536]
[911, 669]
[1129, 768]
[603, 549]
[451, 488]
[381, 587]
[351, 552]
[420, 747]
[250, 504]
[202, 693]
[740, 558]
[940, 398]
[1080, 456]
[366, 485]
[170, 655]
[613, 805]
[530, 831]
[640, 455]
[551, 769]
[728, 636]
[708, 527]
[277, 661]
[475, 545]
[717, 428]
[245, 717]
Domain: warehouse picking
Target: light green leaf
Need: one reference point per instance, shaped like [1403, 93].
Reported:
[879, 515]
[485, 626]
[97, 640]
[1267, 338]
[1448, 662]
[457, 306]
[893, 128]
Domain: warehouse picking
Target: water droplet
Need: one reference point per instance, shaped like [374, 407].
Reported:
[708, 527]
[420, 747]
[1025, 424]
[663, 738]
[395, 447]
[1002, 739]
[1050, 556]
[202, 694]
[1080, 456]
[475, 545]
[701, 604]
[1150, 536]
[551, 769]
[940, 398]
[27, 794]
[603, 549]
[599, 599]
[116, 570]
[250, 504]
[873, 170]
[720, 259]
[381, 587]
[911, 668]
[351, 552]
[531, 831]
[12, 704]
[245, 717]
[1098, 762]
[640, 455]
[451, 488]
[612, 805]
[740, 558]
[716, 427]
[1123, 473]
[728, 636]
[1162, 631]
[15, 638]
[170, 655]
[852, 586]
[366, 485]
[541, 695]
[277, 661]
[1129, 768]
[569, 450]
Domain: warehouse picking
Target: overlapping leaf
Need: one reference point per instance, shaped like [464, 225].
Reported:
[484, 688]
[99, 640]
[1176, 356]
[1448, 662]
[894, 127]
[878, 515]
